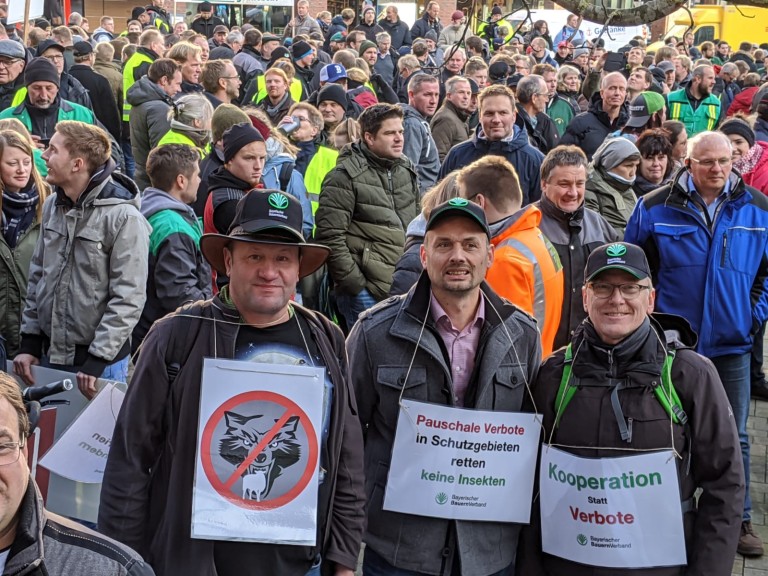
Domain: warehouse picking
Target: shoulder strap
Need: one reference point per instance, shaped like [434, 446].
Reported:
[286, 171]
[566, 391]
[181, 340]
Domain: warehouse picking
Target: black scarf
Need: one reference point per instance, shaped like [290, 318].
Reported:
[18, 213]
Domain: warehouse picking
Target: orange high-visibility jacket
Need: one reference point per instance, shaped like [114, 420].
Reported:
[526, 270]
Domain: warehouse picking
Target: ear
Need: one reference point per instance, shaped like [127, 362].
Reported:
[228, 260]
[78, 164]
[181, 181]
[423, 255]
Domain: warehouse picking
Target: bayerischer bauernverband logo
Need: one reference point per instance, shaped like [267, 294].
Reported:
[616, 250]
[458, 202]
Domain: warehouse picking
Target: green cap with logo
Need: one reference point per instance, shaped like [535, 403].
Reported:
[459, 207]
[617, 256]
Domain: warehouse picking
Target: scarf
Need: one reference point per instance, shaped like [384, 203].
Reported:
[746, 164]
[18, 213]
[272, 111]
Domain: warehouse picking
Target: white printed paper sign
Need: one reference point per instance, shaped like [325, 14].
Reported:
[81, 452]
[462, 464]
[256, 472]
[612, 512]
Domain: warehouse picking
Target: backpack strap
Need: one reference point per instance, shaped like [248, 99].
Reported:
[286, 171]
[566, 391]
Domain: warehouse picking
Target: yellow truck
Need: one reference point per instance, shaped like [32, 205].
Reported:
[727, 22]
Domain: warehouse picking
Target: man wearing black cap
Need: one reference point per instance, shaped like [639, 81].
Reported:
[104, 103]
[332, 104]
[205, 22]
[43, 107]
[140, 13]
[629, 387]
[147, 492]
[13, 57]
[303, 55]
[452, 341]
[69, 88]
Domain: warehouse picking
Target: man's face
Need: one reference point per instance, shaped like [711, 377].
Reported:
[637, 81]
[540, 98]
[617, 316]
[425, 100]
[538, 47]
[369, 17]
[58, 160]
[635, 56]
[159, 47]
[614, 91]
[480, 77]
[461, 95]
[707, 172]
[306, 62]
[565, 187]
[472, 104]
[388, 141]
[371, 56]
[172, 86]
[220, 37]
[206, 14]
[497, 117]
[14, 478]
[336, 46]
[582, 60]
[276, 86]
[456, 255]
[430, 44]
[262, 277]
[134, 28]
[232, 82]
[522, 67]
[433, 11]
[669, 78]
[384, 46]
[708, 52]
[179, 27]
[267, 47]
[563, 51]
[550, 80]
[248, 163]
[190, 70]
[332, 112]
[456, 63]
[705, 82]
[56, 56]
[723, 50]
[189, 192]
[10, 69]
[42, 94]
[143, 18]
[109, 25]
[302, 10]
[391, 14]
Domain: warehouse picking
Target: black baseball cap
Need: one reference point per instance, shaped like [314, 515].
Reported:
[617, 256]
[459, 207]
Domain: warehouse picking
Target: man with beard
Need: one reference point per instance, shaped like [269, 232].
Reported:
[396, 28]
[12, 60]
[221, 82]
[695, 105]
[69, 87]
[449, 124]
[419, 146]
[332, 104]
[278, 100]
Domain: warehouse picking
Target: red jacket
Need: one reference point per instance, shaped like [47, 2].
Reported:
[742, 102]
[758, 177]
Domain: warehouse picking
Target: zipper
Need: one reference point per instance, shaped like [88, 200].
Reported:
[725, 246]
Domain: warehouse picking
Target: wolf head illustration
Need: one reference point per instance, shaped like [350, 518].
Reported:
[243, 434]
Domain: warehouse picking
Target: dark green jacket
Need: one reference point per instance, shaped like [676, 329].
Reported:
[365, 207]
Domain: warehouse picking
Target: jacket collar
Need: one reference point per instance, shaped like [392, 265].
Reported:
[27, 549]
[549, 209]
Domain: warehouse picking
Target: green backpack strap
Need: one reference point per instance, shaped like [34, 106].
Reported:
[566, 391]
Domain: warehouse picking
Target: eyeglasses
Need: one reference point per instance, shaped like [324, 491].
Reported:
[9, 452]
[709, 164]
[229, 77]
[8, 62]
[521, 68]
[605, 290]
[55, 57]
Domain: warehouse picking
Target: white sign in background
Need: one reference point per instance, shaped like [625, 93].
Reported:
[256, 471]
[463, 464]
[611, 512]
[16, 10]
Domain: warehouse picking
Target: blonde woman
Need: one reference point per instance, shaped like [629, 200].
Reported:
[23, 193]
[16, 125]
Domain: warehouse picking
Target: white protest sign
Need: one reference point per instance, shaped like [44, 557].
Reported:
[612, 512]
[16, 10]
[80, 454]
[461, 464]
[256, 471]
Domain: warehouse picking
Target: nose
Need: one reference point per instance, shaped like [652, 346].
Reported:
[616, 297]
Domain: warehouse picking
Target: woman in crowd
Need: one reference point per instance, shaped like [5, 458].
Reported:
[565, 104]
[656, 164]
[678, 137]
[23, 193]
[610, 178]
[346, 132]
[750, 156]
[190, 123]
[540, 30]
[16, 126]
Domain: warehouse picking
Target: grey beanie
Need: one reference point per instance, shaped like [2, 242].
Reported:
[613, 152]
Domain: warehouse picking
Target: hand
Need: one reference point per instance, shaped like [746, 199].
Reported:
[291, 23]
[22, 366]
[38, 142]
[601, 62]
[87, 385]
[342, 571]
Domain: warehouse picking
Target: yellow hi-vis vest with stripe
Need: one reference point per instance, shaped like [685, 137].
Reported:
[704, 118]
[296, 89]
[128, 80]
[322, 162]
[174, 137]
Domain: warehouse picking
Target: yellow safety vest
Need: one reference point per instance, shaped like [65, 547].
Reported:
[128, 80]
[296, 89]
[174, 137]
[322, 162]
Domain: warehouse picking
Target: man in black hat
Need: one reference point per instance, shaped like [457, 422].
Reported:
[303, 56]
[102, 96]
[332, 104]
[13, 58]
[205, 22]
[148, 483]
[629, 385]
[69, 88]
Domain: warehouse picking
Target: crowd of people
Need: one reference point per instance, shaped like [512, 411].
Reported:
[480, 220]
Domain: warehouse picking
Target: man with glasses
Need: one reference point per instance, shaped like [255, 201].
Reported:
[705, 237]
[602, 408]
[221, 82]
[31, 536]
[12, 61]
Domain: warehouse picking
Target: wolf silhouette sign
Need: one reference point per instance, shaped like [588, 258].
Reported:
[259, 450]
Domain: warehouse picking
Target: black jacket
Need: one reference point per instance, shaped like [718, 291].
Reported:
[401, 35]
[423, 25]
[102, 97]
[590, 129]
[369, 30]
[337, 25]
[211, 162]
[544, 135]
[72, 90]
[205, 27]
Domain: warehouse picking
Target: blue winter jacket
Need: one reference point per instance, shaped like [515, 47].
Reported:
[271, 180]
[525, 158]
[714, 275]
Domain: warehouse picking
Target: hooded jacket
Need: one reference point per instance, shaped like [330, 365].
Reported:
[382, 344]
[612, 199]
[150, 106]
[270, 178]
[589, 129]
[711, 456]
[449, 128]
[102, 35]
[398, 31]
[516, 149]
[450, 35]
[370, 30]
[178, 273]
[424, 25]
[420, 147]
[88, 276]
[722, 291]
[146, 497]
[366, 205]
[574, 235]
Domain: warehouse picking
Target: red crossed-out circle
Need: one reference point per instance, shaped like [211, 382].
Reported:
[224, 488]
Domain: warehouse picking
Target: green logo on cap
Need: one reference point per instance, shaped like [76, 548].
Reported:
[458, 202]
[278, 201]
[616, 250]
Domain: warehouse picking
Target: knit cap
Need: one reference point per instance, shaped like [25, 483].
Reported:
[365, 46]
[41, 70]
[237, 137]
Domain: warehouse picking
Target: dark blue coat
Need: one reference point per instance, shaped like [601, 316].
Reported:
[525, 158]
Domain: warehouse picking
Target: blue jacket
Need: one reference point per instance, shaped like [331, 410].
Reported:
[271, 180]
[525, 158]
[714, 275]
[565, 33]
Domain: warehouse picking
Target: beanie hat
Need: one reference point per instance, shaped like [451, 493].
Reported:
[224, 117]
[41, 70]
[738, 127]
[277, 54]
[205, 7]
[369, 9]
[136, 12]
[334, 93]
[367, 44]
[496, 11]
[300, 50]
[579, 52]
[237, 137]
[613, 152]
[431, 35]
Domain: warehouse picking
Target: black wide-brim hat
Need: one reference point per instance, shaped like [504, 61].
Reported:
[266, 217]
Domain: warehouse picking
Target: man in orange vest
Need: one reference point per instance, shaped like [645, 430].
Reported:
[526, 269]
